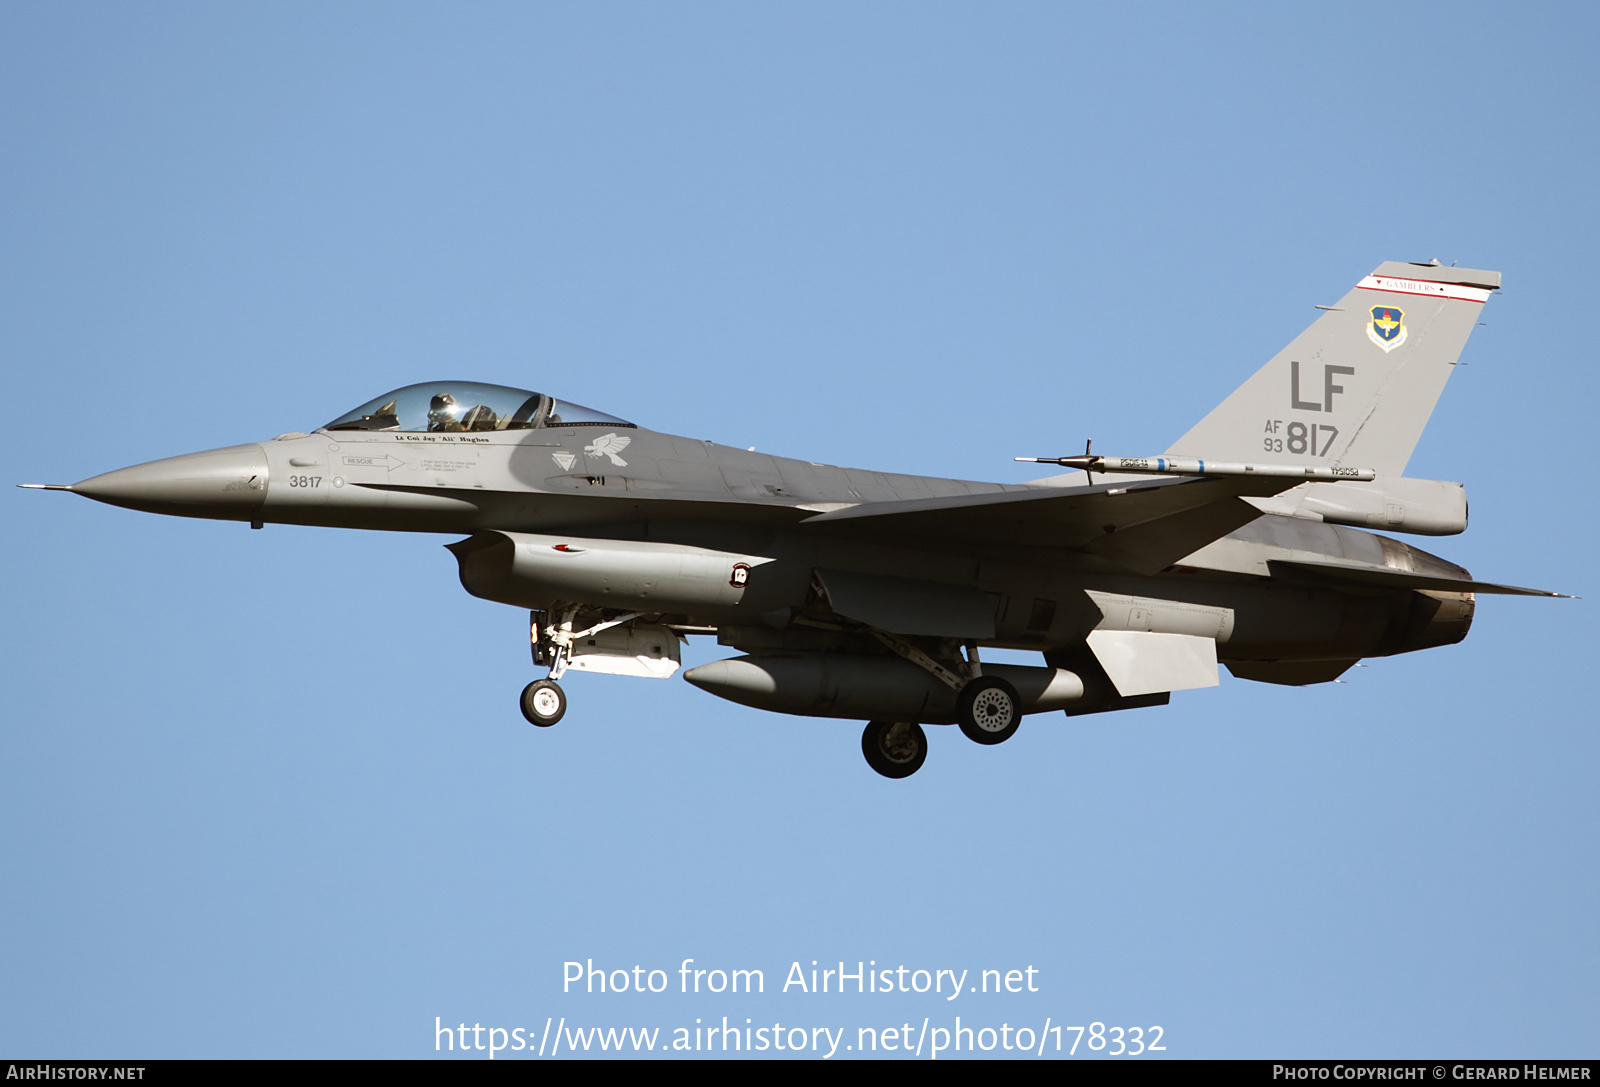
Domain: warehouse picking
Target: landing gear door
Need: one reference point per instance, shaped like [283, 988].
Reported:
[632, 649]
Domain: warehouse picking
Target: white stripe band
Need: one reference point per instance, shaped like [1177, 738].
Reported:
[1391, 285]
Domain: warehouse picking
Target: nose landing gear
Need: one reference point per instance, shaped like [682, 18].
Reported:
[543, 702]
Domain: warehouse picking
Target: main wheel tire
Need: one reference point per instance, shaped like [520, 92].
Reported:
[895, 749]
[543, 702]
[989, 710]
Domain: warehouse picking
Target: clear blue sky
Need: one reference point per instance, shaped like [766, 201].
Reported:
[268, 793]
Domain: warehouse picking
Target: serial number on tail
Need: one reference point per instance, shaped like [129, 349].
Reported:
[1315, 439]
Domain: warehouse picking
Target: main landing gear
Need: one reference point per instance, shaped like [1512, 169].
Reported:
[987, 707]
[895, 749]
[988, 710]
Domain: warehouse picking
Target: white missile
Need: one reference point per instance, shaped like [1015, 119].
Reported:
[1190, 466]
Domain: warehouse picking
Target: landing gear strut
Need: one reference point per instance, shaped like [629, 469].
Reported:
[895, 749]
[543, 701]
[987, 707]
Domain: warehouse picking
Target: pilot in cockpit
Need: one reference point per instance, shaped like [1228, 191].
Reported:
[465, 407]
[442, 413]
[445, 415]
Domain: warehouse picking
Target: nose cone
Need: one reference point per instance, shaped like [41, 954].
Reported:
[780, 682]
[734, 679]
[229, 484]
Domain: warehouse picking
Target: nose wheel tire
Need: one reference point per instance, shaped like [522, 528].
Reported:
[543, 702]
[989, 710]
[895, 749]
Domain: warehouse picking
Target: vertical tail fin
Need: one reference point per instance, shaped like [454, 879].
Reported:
[1356, 388]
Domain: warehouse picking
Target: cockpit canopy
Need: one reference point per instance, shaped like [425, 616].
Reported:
[468, 406]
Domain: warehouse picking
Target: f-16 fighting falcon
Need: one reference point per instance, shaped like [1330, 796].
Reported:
[870, 596]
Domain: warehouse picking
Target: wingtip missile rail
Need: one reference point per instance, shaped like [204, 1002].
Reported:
[1191, 466]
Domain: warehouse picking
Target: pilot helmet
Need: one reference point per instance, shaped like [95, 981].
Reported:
[442, 412]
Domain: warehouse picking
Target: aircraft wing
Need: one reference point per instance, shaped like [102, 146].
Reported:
[1143, 525]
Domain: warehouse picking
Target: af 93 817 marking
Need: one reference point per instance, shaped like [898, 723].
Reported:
[1298, 438]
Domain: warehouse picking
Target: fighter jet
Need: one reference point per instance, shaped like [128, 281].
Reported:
[869, 595]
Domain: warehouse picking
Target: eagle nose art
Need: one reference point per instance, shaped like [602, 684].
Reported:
[226, 483]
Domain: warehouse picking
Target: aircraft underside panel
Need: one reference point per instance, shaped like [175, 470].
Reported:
[1291, 673]
[1162, 616]
[907, 606]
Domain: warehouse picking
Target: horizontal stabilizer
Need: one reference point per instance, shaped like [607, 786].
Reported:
[1384, 577]
[1139, 662]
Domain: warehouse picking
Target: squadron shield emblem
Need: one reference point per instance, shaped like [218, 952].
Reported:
[1388, 327]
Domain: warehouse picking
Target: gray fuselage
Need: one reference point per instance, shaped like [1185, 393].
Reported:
[625, 483]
